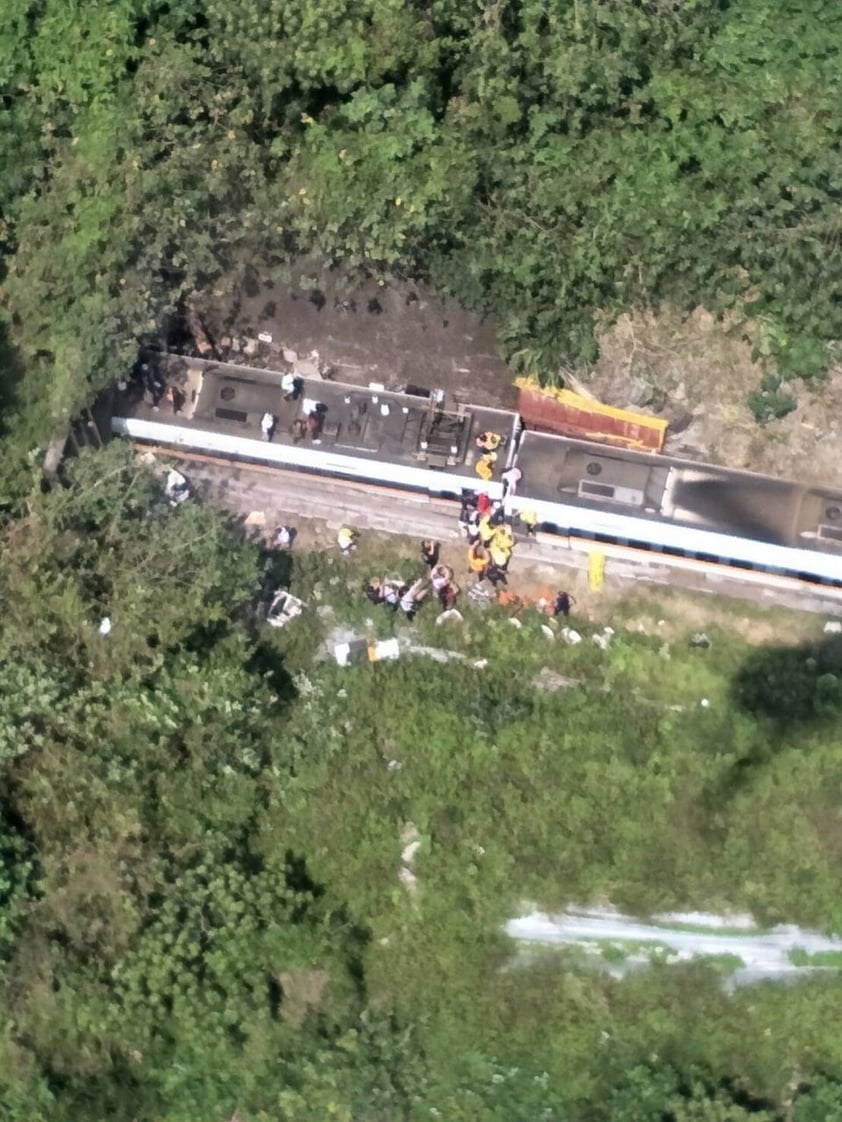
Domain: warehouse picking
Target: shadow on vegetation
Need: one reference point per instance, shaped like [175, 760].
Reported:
[785, 689]
[792, 686]
[11, 378]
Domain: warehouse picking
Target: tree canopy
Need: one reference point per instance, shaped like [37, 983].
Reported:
[550, 164]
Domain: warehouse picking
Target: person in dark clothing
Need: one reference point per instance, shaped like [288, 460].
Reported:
[374, 591]
[430, 553]
[448, 596]
[496, 574]
[466, 509]
[563, 603]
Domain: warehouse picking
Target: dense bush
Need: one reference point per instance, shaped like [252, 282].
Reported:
[201, 824]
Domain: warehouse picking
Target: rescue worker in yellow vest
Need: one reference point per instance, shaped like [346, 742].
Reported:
[346, 539]
[504, 538]
[484, 466]
[529, 519]
[486, 530]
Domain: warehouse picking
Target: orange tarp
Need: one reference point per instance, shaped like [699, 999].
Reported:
[548, 409]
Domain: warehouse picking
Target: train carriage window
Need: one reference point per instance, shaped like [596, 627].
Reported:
[232, 415]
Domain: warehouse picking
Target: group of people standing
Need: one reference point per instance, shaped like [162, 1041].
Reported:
[491, 538]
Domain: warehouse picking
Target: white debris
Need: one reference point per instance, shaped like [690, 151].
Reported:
[283, 609]
[548, 631]
[833, 627]
[408, 879]
[450, 616]
[394, 765]
[515, 622]
[250, 348]
[265, 337]
[290, 355]
[602, 641]
[705, 704]
[571, 637]
[176, 487]
[411, 842]
[105, 626]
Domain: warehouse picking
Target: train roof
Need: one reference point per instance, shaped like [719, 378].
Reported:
[363, 422]
[738, 503]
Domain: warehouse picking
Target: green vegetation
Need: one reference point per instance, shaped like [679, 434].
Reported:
[552, 165]
[202, 821]
[800, 957]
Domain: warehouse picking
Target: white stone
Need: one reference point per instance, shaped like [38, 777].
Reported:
[833, 627]
[105, 626]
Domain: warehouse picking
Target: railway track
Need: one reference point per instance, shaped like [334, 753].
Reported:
[282, 495]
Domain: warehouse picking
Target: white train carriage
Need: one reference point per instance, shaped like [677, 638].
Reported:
[399, 439]
[680, 508]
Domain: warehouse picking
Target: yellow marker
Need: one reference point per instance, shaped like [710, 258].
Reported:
[596, 571]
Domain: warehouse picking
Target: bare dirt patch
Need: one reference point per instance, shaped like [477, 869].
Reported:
[398, 333]
[698, 372]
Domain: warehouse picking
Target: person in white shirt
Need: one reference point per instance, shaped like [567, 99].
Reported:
[267, 425]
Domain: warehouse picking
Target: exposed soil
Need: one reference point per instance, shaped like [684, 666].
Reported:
[698, 372]
[363, 331]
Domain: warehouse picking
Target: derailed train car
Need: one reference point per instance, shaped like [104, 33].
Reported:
[737, 521]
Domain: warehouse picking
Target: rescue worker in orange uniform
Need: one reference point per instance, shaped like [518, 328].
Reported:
[477, 561]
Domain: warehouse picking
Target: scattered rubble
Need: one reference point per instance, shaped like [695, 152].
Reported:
[571, 637]
[362, 650]
[549, 680]
[603, 638]
[411, 842]
[284, 608]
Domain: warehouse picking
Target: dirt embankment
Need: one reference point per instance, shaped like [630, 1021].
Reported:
[698, 372]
